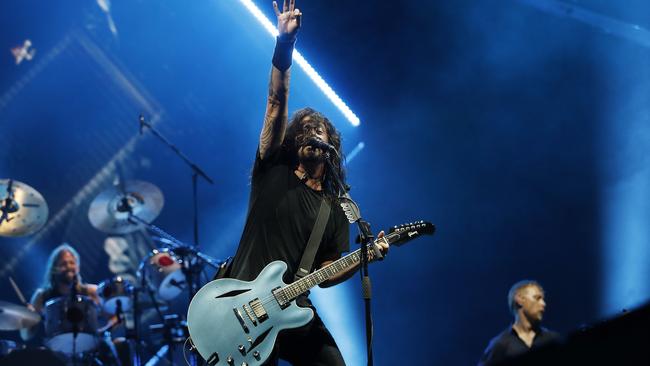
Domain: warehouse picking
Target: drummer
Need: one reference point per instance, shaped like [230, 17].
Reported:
[61, 274]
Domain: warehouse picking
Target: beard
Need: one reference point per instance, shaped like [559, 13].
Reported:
[66, 277]
[310, 156]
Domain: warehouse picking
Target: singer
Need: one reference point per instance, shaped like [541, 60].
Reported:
[289, 183]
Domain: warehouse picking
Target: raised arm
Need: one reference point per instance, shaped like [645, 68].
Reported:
[275, 118]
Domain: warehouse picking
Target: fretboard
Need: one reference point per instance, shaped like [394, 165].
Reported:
[321, 275]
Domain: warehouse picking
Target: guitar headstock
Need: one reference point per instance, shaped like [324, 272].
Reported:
[403, 233]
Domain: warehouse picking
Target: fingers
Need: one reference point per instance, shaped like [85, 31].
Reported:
[298, 16]
[275, 7]
[292, 5]
[285, 6]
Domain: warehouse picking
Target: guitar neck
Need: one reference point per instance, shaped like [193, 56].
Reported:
[323, 274]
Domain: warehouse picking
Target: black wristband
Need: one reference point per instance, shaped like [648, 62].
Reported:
[283, 53]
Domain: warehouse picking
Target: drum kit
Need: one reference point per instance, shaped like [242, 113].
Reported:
[71, 323]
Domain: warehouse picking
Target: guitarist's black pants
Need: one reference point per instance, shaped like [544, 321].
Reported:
[309, 345]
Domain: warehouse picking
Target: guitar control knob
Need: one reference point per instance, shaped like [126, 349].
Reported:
[244, 364]
[230, 360]
[256, 354]
[242, 350]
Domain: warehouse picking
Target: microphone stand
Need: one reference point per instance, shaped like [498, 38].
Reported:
[74, 316]
[196, 172]
[353, 214]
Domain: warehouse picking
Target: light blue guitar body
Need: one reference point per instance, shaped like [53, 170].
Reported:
[239, 321]
[234, 322]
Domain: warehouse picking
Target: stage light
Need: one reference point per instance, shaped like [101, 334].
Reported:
[304, 65]
[357, 149]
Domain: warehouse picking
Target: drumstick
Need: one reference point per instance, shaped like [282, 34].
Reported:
[18, 292]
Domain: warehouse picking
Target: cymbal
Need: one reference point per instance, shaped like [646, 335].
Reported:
[109, 211]
[23, 210]
[15, 317]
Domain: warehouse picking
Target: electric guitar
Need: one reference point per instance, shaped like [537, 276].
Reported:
[233, 322]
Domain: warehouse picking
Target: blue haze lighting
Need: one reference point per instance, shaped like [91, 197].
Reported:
[306, 67]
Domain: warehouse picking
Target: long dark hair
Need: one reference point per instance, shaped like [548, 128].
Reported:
[50, 267]
[291, 145]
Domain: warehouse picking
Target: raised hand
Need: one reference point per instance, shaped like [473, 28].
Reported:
[288, 19]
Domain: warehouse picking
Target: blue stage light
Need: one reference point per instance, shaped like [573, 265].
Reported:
[357, 149]
[307, 68]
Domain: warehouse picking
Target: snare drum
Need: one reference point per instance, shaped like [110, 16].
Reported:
[64, 315]
[164, 272]
[114, 291]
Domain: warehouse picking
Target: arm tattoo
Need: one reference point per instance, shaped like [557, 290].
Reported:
[275, 118]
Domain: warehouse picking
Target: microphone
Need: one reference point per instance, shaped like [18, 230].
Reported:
[318, 143]
[73, 288]
[142, 123]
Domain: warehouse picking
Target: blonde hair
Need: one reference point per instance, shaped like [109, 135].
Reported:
[50, 268]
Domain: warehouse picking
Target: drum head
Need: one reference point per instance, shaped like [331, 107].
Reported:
[115, 291]
[110, 306]
[67, 344]
[65, 316]
[172, 285]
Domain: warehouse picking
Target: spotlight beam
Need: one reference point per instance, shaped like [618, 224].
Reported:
[304, 65]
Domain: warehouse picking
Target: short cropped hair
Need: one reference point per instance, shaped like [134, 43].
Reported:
[514, 290]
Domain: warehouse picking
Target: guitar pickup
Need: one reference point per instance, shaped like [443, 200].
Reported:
[241, 320]
[258, 310]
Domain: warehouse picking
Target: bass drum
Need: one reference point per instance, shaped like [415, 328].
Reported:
[64, 316]
[32, 356]
[164, 273]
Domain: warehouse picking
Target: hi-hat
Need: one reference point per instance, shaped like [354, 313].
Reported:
[23, 210]
[15, 317]
[110, 210]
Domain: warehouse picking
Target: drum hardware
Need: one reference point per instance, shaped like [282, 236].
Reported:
[173, 332]
[23, 210]
[186, 256]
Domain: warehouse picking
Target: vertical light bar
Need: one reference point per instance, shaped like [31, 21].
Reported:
[304, 65]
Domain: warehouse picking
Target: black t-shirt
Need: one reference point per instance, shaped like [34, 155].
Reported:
[508, 345]
[281, 215]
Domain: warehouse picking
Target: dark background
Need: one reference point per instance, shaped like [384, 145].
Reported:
[521, 133]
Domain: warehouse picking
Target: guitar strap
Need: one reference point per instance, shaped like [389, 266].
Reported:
[314, 240]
